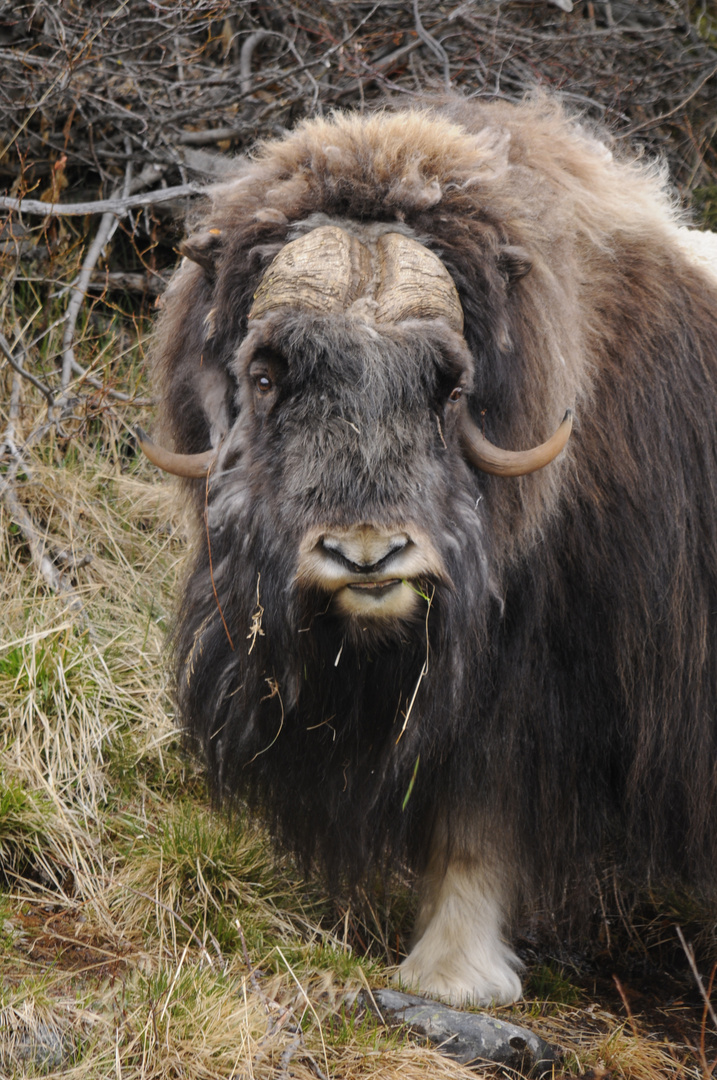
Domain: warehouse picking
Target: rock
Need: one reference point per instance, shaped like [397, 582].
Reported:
[470, 1038]
[44, 1048]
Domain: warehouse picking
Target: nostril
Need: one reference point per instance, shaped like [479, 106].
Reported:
[335, 551]
[398, 544]
[368, 562]
[330, 543]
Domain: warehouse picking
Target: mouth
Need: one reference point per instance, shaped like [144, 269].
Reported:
[377, 588]
[387, 598]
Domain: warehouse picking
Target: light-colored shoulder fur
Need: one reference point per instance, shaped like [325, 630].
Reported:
[701, 248]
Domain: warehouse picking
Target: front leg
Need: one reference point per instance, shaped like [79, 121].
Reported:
[459, 952]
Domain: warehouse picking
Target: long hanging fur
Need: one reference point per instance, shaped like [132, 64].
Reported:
[568, 709]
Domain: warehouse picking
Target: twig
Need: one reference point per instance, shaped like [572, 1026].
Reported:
[248, 49]
[287, 1055]
[18, 456]
[109, 391]
[671, 112]
[14, 363]
[126, 281]
[434, 45]
[99, 206]
[246, 55]
[13, 413]
[108, 224]
[211, 135]
[698, 978]
[38, 551]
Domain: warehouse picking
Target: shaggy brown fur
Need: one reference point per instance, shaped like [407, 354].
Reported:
[569, 706]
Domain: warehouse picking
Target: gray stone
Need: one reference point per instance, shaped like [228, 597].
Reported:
[44, 1048]
[470, 1038]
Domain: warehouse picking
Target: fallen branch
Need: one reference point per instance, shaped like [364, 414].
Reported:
[99, 206]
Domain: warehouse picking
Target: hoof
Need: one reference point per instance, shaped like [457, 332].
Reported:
[458, 981]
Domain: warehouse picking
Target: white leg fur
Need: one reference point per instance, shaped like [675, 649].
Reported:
[460, 954]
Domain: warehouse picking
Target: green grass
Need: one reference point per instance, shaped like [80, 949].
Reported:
[549, 982]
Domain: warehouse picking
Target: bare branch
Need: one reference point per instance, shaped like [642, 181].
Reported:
[107, 226]
[698, 978]
[14, 363]
[433, 45]
[676, 108]
[99, 206]
[205, 138]
[246, 56]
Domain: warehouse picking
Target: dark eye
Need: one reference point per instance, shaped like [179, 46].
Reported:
[263, 384]
[455, 393]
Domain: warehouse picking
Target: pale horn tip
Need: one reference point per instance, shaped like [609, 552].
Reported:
[492, 459]
[193, 466]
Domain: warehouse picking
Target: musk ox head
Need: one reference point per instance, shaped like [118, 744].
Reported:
[333, 347]
[354, 369]
[397, 639]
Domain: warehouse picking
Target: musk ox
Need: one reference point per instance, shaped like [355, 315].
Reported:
[398, 641]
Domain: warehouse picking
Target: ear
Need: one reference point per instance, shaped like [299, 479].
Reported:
[203, 248]
[514, 263]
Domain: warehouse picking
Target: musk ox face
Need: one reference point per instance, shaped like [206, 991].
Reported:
[354, 429]
[348, 393]
[398, 640]
[351, 402]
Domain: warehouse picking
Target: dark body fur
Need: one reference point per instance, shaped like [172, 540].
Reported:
[568, 709]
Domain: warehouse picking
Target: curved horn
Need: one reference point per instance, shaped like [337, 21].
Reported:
[491, 459]
[191, 465]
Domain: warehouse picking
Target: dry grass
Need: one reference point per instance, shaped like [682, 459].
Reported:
[141, 934]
